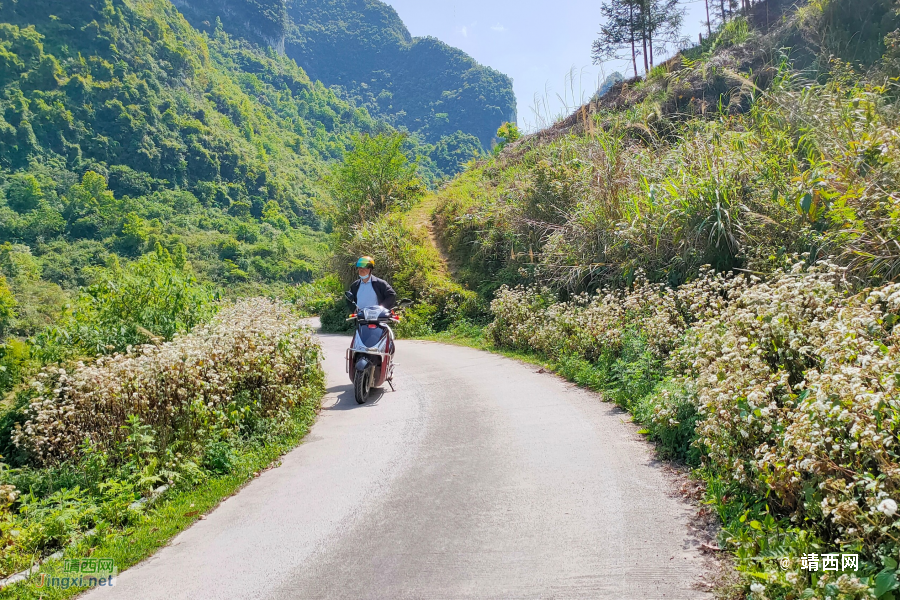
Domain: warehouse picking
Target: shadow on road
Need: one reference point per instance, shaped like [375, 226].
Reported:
[347, 401]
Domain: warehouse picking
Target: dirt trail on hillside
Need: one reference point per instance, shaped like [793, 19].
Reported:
[420, 218]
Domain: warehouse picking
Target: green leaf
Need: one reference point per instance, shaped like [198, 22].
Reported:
[806, 203]
[885, 582]
[756, 525]
[644, 431]
[889, 563]
[761, 574]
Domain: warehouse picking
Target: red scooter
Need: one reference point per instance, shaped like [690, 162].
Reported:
[370, 357]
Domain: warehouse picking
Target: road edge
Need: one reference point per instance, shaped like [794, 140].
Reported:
[723, 580]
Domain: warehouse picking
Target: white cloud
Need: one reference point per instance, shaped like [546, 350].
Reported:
[466, 30]
[499, 28]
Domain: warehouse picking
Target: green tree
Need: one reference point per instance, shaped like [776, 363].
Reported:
[375, 177]
[273, 216]
[17, 262]
[134, 234]
[45, 223]
[24, 193]
[240, 209]
[179, 257]
[508, 132]
[90, 206]
[620, 30]
[7, 308]
[149, 300]
[663, 20]
[452, 152]
[629, 22]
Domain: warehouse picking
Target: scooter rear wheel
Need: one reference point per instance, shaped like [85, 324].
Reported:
[362, 385]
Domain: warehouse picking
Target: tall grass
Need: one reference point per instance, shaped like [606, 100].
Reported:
[810, 168]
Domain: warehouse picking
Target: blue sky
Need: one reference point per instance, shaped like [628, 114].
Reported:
[535, 43]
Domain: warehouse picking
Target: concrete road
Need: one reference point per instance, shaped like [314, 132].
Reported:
[477, 478]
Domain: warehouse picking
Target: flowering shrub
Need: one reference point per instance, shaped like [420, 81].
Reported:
[590, 326]
[252, 360]
[797, 385]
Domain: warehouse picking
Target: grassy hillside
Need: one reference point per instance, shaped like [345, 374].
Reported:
[715, 249]
[730, 154]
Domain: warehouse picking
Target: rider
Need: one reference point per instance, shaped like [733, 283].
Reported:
[369, 290]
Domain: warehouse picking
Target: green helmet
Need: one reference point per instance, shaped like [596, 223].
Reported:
[365, 262]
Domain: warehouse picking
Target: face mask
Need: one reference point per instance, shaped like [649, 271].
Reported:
[366, 278]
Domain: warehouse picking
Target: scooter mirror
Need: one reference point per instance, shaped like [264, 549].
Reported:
[349, 297]
[405, 302]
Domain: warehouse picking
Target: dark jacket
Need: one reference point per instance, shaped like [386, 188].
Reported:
[386, 295]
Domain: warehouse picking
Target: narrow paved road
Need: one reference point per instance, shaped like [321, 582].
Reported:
[477, 478]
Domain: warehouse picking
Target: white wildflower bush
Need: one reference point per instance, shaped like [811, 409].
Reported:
[742, 363]
[252, 359]
[101, 435]
[797, 386]
[530, 318]
[785, 392]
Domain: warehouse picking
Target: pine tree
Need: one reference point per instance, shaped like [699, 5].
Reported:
[620, 31]
[664, 19]
[708, 20]
[727, 8]
[629, 22]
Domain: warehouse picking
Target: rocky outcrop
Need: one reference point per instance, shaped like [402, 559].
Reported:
[263, 21]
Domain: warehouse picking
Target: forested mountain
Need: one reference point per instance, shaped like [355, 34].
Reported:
[146, 170]
[123, 129]
[131, 89]
[261, 21]
[364, 49]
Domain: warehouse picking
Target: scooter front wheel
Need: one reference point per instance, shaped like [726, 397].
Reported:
[362, 385]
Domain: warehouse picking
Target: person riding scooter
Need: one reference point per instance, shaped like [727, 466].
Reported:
[370, 355]
[369, 290]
